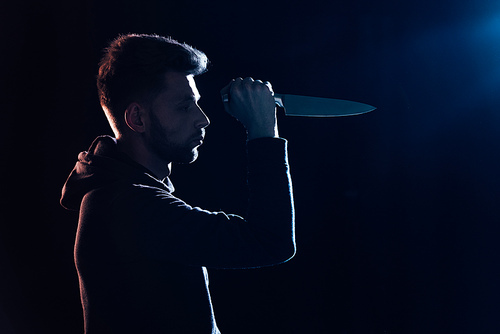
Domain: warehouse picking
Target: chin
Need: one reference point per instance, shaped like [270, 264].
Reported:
[188, 158]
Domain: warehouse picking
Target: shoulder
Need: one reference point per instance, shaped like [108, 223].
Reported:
[124, 193]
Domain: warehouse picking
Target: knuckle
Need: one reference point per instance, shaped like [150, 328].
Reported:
[248, 81]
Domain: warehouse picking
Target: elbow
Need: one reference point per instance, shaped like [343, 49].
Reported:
[287, 257]
[286, 252]
[288, 246]
[292, 250]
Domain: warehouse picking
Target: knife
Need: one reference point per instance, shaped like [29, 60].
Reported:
[307, 106]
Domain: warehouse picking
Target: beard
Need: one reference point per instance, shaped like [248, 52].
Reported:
[157, 140]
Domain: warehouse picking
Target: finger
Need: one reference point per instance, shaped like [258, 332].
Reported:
[226, 91]
[248, 80]
[236, 86]
[268, 84]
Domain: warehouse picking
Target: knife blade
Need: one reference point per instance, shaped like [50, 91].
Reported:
[307, 106]
[297, 105]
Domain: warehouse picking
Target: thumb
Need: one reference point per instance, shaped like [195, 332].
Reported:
[224, 92]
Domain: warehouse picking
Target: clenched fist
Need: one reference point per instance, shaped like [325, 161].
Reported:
[252, 103]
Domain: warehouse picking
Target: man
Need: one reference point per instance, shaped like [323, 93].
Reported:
[140, 252]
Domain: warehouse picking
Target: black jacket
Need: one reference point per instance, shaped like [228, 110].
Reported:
[141, 252]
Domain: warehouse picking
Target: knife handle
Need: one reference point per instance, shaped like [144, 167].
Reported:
[278, 99]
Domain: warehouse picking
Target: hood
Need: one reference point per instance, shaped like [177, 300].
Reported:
[102, 165]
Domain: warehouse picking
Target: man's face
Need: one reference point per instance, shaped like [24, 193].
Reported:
[176, 122]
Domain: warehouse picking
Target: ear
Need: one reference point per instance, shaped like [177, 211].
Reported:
[134, 117]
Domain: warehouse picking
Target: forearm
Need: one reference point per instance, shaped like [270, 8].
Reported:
[270, 208]
[268, 130]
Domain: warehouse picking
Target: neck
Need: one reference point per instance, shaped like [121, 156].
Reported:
[136, 150]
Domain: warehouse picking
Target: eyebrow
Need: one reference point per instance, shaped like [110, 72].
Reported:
[189, 98]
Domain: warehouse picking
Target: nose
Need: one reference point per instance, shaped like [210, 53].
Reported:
[202, 121]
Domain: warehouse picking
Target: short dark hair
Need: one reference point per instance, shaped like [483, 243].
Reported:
[133, 69]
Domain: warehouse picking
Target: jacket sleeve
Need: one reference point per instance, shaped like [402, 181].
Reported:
[171, 230]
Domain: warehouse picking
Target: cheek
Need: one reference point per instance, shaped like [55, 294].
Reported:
[173, 133]
[178, 126]
[173, 127]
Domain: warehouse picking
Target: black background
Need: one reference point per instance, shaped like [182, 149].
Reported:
[397, 211]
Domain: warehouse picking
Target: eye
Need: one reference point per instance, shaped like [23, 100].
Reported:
[184, 107]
